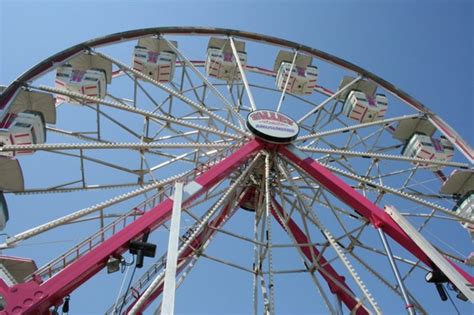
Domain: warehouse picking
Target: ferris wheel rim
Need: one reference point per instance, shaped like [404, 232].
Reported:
[49, 63]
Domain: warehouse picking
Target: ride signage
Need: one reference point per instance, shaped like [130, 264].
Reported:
[272, 126]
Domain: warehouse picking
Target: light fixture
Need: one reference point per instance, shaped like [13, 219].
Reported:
[113, 264]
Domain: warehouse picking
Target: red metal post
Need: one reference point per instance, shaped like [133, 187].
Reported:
[35, 298]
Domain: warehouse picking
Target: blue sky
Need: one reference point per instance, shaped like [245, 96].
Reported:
[424, 47]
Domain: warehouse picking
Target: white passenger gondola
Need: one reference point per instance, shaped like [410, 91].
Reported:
[155, 58]
[302, 76]
[220, 61]
[86, 74]
[369, 88]
[26, 128]
[460, 184]
[364, 108]
[424, 147]
[361, 103]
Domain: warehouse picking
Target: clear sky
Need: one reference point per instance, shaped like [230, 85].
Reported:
[424, 47]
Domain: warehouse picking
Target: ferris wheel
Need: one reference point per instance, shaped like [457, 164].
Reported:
[154, 150]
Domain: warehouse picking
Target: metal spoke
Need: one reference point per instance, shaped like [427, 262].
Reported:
[408, 304]
[382, 156]
[358, 126]
[394, 191]
[14, 240]
[385, 282]
[283, 92]
[113, 145]
[206, 81]
[269, 235]
[242, 74]
[317, 108]
[139, 111]
[174, 93]
[316, 266]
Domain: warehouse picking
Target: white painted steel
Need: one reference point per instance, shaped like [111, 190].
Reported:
[439, 260]
[382, 156]
[172, 253]
[14, 240]
[175, 93]
[139, 111]
[354, 127]
[242, 73]
[282, 96]
[206, 81]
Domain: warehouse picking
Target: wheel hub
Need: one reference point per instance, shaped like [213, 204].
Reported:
[272, 126]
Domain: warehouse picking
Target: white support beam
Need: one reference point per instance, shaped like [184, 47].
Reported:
[172, 255]
[282, 96]
[463, 284]
[242, 74]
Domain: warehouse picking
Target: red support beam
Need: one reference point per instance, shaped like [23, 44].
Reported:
[361, 204]
[35, 298]
[329, 274]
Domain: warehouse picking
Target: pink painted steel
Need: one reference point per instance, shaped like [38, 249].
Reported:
[362, 205]
[35, 298]
[330, 273]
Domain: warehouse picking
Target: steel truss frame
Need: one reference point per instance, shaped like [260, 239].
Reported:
[35, 296]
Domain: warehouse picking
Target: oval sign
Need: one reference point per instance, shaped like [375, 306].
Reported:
[272, 126]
